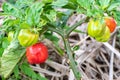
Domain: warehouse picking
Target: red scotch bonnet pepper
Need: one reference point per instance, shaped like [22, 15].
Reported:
[37, 53]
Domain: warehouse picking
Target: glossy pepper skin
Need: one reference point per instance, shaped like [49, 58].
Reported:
[98, 29]
[37, 53]
[105, 37]
[111, 23]
[27, 38]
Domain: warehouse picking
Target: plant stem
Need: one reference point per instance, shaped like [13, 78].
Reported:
[69, 30]
[53, 28]
[72, 62]
[62, 33]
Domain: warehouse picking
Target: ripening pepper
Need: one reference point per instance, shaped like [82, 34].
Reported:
[27, 37]
[105, 37]
[98, 29]
[111, 23]
[37, 53]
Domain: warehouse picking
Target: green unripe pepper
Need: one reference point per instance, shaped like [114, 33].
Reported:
[105, 37]
[27, 37]
[96, 28]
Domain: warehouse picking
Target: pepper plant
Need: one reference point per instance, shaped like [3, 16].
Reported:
[27, 22]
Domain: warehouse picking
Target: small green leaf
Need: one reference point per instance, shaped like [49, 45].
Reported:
[33, 14]
[22, 4]
[11, 1]
[1, 51]
[11, 10]
[47, 1]
[24, 25]
[104, 3]
[89, 8]
[64, 18]
[72, 4]
[51, 37]
[16, 71]
[86, 4]
[5, 43]
[29, 72]
[117, 16]
[80, 10]
[10, 23]
[58, 49]
[52, 15]
[55, 40]
[78, 31]
[76, 47]
[60, 3]
[113, 6]
[42, 23]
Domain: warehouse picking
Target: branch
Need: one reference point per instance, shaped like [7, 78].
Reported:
[72, 62]
[54, 29]
[69, 30]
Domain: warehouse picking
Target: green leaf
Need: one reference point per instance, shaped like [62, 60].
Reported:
[95, 12]
[1, 51]
[72, 4]
[10, 9]
[29, 72]
[60, 3]
[47, 1]
[20, 4]
[80, 10]
[117, 16]
[16, 72]
[64, 18]
[33, 13]
[51, 37]
[10, 23]
[89, 8]
[79, 31]
[52, 15]
[11, 1]
[5, 43]
[59, 50]
[104, 3]
[55, 40]
[86, 4]
[113, 6]
[42, 23]
[75, 47]
[11, 56]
